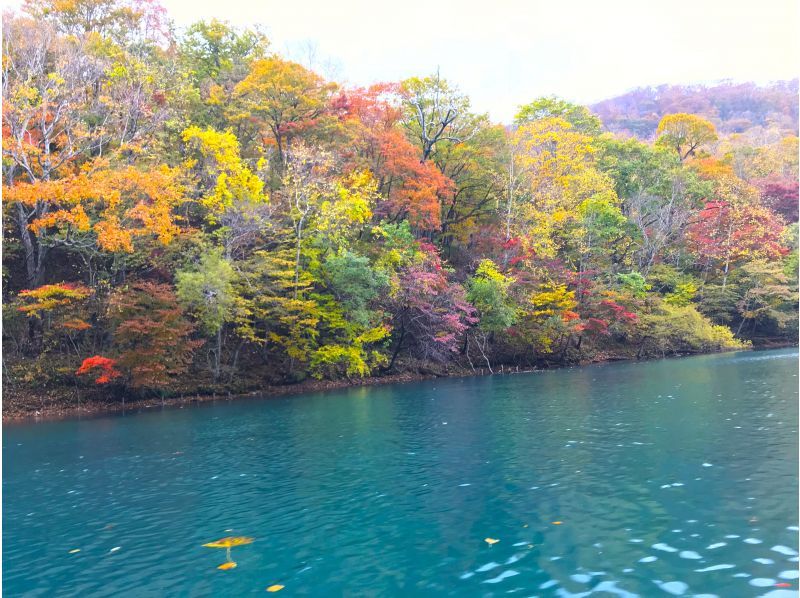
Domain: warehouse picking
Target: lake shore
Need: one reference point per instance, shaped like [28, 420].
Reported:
[25, 406]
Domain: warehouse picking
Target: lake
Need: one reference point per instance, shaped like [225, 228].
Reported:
[670, 477]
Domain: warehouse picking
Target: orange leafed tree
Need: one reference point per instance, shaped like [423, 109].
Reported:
[105, 207]
[105, 366]
[411, 188]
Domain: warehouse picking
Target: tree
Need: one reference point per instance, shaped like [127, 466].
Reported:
[330, 208]
[232, 194]
[106, 366]
[579, 117]
[431, 314]
[151, 335]
[217, 53]
[557, 167]
[45, 120]
[488, 291]
[768, 297]
[99, 210]
[216, 57]
[685, 133]
[659, 196]
[282, 98]
[208, 292]
[781, 196]
[727, 232]
[54, 310]
[435, 112]
[355, 284]
[411, 189]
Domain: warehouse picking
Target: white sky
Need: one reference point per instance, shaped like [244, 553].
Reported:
[503, 53]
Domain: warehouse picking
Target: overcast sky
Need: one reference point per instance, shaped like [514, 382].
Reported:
[503, 53]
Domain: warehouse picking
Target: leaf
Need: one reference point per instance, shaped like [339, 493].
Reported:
[230, 542]
[275, 588]
[491, 541]
[226, 566]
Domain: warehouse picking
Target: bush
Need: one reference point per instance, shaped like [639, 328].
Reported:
[682, 329]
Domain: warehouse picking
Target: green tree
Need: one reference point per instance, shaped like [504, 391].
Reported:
[207, 291]
[580, 117]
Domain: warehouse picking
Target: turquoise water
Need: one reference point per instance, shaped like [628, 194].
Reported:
[669, 477]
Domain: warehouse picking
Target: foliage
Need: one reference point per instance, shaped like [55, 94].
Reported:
[106, 366]
[578, 116]
[151, 335]
[165, 190]
[488, 291]
[673, 329]
[50, 297]
[685, 133]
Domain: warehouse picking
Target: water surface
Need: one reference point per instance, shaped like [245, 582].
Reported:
[673, 477]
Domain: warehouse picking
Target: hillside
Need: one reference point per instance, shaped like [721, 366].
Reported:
[732, 107]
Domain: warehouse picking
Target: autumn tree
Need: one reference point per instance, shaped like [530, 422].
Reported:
[727, 232]
[45, 125]
[216, 57]
[56, 314]
[685, 133]
[151, 335]
[659, 196]
[99, 209]
[768, 297]
[283, 99]
[556, 165]
[411, 189]
[232, 194]
[431, 313]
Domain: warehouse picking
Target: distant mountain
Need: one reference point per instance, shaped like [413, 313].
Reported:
[733, 107]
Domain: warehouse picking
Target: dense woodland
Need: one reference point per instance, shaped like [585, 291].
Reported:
[191, 212]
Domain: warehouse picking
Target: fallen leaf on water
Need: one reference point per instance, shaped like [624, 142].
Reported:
[74, 550]
[229, 542]
[557, 522]
[491, 541]
[275, 588]
[226, 566]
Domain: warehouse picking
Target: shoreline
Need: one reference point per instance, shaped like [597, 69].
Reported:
[92, 408]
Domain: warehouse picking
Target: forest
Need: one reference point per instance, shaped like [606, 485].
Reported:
[190, 212]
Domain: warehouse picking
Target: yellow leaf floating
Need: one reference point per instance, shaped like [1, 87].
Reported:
[227, 544]
[74, 550]
[491, 541]
[557, 523]
[230, 542]
[275, 588]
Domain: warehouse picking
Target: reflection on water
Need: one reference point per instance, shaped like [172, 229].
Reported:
[675, 477]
